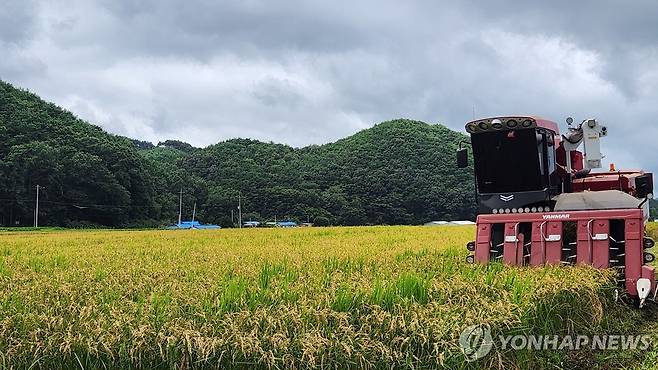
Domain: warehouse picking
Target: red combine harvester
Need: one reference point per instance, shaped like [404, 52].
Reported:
[540, 203]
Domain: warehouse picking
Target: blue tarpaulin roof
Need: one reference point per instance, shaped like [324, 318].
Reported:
[193, 225]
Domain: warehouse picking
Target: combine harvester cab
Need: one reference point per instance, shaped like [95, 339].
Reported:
[539, 202]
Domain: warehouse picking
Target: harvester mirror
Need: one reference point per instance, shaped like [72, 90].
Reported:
[462, 158]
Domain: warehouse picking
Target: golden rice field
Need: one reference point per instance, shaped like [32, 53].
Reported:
[356, 297]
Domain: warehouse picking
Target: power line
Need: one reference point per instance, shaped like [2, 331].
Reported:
[180, 207]
[240, 209]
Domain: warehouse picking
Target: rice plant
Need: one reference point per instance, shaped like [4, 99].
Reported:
[304, 298]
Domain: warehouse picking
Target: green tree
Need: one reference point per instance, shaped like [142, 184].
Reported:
[397, 172]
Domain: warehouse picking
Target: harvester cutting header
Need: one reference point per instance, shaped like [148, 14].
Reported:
[541, 203]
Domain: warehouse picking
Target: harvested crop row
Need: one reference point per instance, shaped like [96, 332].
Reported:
[307, 298]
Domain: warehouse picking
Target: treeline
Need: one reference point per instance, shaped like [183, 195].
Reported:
[398, 172]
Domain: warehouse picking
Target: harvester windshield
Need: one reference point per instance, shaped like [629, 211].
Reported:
[507, 161]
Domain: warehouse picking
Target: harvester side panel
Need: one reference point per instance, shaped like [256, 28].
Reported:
[546, 246]
[600, 236]
[513, 248]
[634, 254]
[538, 245]
[483, 243]
[519, 250]
[584, 246]
[553, 245]
[546, 243]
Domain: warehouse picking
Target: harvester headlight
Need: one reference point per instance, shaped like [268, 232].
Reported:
[471, 128]
[527, 123]
[512, 123]
[526, 209]
[483, 125]
[494, 211]
[648, 242]
[497, 124]
[650, 195]
[520, 210]
[507, 210]
[649, 257]
[533, 209]
[513, 210]
[501, 211]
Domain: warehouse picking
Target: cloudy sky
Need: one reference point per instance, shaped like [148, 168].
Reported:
[304, 72]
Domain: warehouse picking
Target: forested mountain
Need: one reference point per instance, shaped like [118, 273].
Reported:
[398, 172]
[87, 174]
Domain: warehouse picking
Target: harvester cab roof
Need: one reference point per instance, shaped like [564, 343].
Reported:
[516, 163]
[541, 203]
[522, 163]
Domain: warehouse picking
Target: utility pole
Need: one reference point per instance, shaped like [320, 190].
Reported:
[232, 219]
[180, 207]
[193, 211]
[36, 210]
[240, 209]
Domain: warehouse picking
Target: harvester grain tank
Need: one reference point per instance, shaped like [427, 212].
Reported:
[539, 202]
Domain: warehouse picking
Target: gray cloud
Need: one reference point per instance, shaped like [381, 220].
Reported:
[16, 21]
[303, 72]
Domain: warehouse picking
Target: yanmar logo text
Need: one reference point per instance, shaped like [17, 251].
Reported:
[559, 216]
